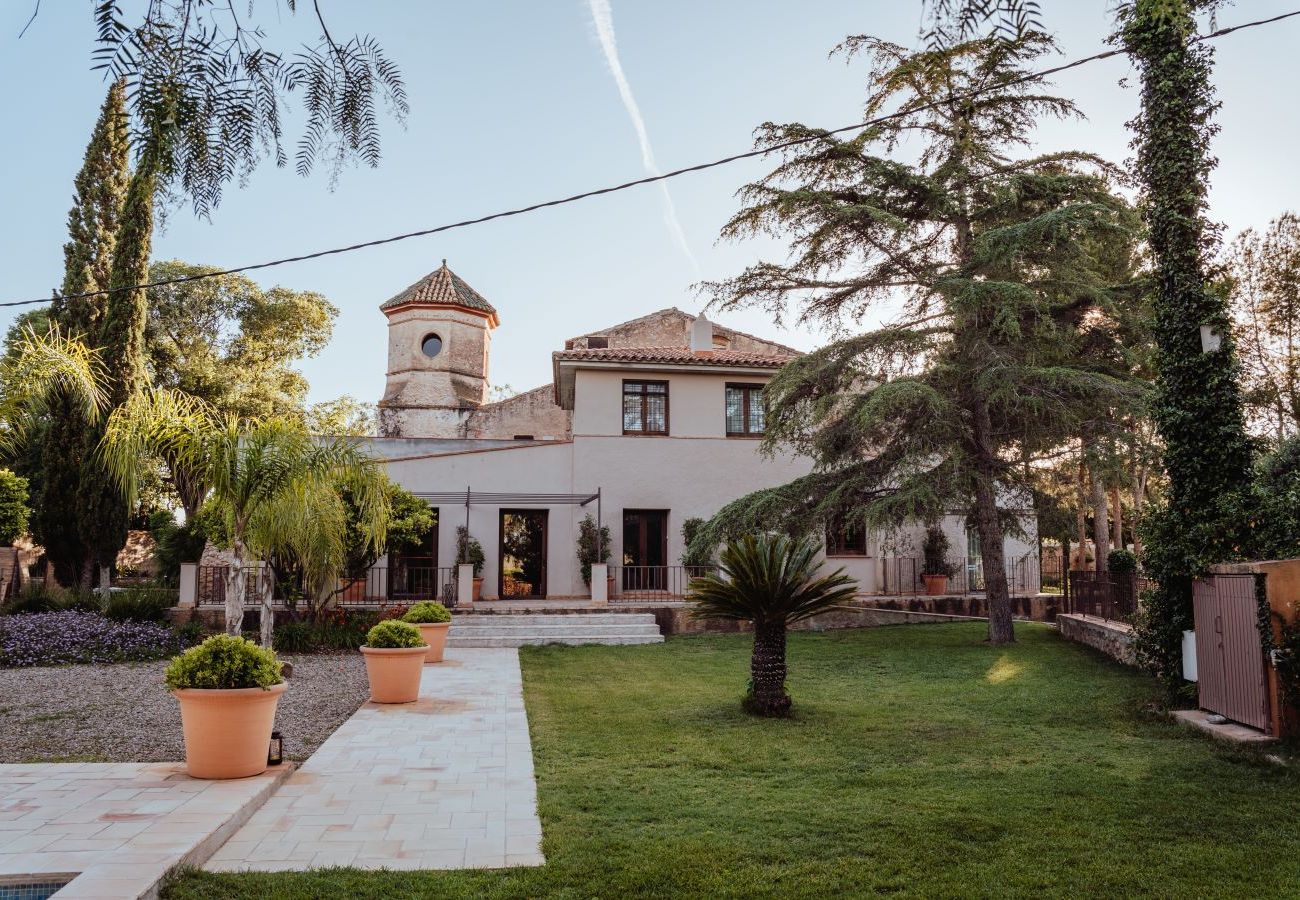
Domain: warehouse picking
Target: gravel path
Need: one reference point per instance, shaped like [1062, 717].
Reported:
[122, 713]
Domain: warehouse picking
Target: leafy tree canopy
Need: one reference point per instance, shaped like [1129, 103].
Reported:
[345, 416]
[231, 342]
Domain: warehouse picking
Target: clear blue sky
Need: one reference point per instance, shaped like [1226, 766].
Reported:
[513, 102]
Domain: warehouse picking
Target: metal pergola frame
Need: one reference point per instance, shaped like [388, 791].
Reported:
[514, 498]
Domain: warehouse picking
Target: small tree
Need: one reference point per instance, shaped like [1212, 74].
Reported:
[935, 551]
[469, 551]
[13, 507]
[770, 580]
[593, 546]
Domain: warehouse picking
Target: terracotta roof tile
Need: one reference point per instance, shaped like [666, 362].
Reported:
[442, 287]
[679, 355]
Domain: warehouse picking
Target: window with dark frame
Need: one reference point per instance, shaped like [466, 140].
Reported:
[744, 410]
[845, 539]
[645, 407]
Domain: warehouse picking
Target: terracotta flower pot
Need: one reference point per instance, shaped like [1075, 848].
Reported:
[394, 673]
[435, 635]
[478, 588]
[227, 732]
[935, 585]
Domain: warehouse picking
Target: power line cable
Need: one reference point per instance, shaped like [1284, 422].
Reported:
[650, 179]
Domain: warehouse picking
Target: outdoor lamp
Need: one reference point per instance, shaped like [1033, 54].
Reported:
[275, 755]
[1210, 339]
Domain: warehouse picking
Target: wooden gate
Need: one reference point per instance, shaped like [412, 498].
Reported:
[1229, 654]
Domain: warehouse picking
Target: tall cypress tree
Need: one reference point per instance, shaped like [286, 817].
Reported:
[104, 510]
[57, 453]
[1198, 407]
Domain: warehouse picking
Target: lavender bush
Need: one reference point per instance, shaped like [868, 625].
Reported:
[56, 638]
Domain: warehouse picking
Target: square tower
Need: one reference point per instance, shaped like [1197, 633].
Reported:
[439, 336]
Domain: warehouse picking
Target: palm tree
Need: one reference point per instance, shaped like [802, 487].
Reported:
[770, 580]
[269, 483]
[38, 368]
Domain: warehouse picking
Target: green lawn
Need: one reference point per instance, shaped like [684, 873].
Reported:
[919, 761]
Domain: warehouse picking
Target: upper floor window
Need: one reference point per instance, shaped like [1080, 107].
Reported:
[744, 409]
[645, 407]
[843, 539]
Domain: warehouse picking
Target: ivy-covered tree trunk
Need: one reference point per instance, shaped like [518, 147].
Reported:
[1198, 408]
[58, 449]
[104, 512]
[767, 671]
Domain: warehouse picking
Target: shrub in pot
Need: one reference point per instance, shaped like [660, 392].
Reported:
[433, 620]
[228, 688]
[936, 569]
[394, 652]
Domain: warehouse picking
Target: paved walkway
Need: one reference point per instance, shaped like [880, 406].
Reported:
[120, 825]
[442, 783]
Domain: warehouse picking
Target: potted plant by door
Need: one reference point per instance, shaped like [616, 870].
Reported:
[470, 552]
[433, 620]
[394, 652]
[936, 569]
[228, 688]
[593, 547]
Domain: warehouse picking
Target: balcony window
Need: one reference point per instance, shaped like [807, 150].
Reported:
[744, 410]
[645, 407]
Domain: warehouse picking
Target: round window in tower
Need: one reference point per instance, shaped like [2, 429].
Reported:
[431, 345]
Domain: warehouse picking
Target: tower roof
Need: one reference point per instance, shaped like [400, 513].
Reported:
[442, 287]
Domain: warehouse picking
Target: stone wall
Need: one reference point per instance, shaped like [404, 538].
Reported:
[858, 614]
[1115, 639]
[534, 413]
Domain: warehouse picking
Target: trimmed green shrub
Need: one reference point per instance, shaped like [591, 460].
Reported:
[427, 612]
[140, 604]
[589, 539]
[1122, 562]
[394, 634]
[224, 661]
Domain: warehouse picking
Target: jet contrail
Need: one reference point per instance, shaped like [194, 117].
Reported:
[603, 18]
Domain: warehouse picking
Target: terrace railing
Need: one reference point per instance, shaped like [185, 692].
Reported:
[653, 582]
[381, 586]
[1106, 595]
[904, 576]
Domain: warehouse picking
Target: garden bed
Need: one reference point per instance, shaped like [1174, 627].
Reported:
[122, 712]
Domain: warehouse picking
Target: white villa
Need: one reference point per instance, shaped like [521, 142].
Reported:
[645, 424]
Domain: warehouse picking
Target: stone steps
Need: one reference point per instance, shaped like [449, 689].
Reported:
[522, 630]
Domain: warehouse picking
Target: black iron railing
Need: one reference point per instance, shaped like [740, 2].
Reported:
[653, 582]
[1106, 595]
[906, 576]
[380, 586]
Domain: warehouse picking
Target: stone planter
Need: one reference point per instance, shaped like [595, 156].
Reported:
[935, 585]
[394, 673]
[227, 732]
[435, 635]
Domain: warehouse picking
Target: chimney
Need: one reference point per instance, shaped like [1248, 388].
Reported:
[701, 334]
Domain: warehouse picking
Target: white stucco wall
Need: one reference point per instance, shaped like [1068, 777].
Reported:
[693, 472]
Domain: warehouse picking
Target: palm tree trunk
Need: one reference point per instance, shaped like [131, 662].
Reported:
[105, 582]
[235, 584]
[266, 590]
[767, 671]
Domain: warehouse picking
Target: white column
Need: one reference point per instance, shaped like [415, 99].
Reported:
[189, 593]
[599, 583]
[465, 586]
